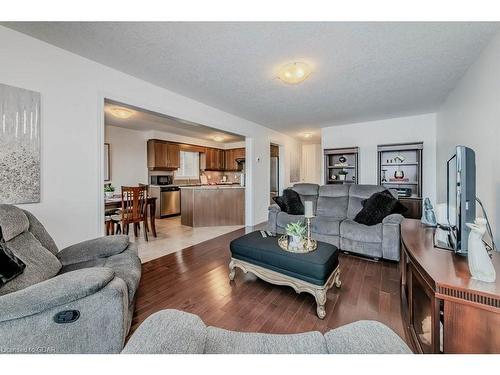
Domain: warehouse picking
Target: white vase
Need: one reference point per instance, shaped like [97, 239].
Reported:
[295, 242]
[480, 265]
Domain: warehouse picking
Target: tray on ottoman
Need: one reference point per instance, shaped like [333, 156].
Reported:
[313, 272]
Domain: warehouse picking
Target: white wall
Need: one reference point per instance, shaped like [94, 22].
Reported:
[471, 117]
[128, 158]
[72, 92]
[312, 163]
[367, 135]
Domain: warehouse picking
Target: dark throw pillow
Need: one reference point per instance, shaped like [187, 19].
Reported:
[399, 208]
[280, 202]
[375, 208]
[10, 265]
[293, 202]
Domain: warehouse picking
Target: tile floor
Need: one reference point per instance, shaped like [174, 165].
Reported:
[173, 236]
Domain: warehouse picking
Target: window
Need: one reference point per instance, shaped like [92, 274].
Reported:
[189, 165]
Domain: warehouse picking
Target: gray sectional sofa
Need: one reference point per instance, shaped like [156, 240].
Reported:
[177, 332]
[335, 207]
[76, 300]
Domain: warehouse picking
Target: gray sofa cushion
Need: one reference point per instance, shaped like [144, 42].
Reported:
[363, 337]
[96, 248]
[41, 264]
[168, 332]
[370, 249]
[307, 192]
[357, 193]
[220, 341]
[325, 225]
[13, 221]
[360, 232]
[332, 201]
[40, 233]
[126, 266]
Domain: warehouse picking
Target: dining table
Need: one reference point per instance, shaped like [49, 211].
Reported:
[116, 202]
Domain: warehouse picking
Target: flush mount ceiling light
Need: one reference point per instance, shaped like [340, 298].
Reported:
[218, 138]
[121, 112]
[294, 73]
[307, 135]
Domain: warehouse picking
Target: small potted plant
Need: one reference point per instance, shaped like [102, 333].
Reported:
[342, 175]
[296, 232]
[109, 191]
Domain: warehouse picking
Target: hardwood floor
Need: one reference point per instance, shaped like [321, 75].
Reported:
[196, 280]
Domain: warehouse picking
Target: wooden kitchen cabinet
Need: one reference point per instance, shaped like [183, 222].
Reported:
[163, 156]
[231, 156]
[215, 159]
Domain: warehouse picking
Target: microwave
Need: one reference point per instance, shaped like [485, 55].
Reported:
[162, 180]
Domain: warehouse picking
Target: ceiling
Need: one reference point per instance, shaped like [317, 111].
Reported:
[144, 120]
[361, 70]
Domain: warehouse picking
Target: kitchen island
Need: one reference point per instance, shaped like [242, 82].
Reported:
[212, 205]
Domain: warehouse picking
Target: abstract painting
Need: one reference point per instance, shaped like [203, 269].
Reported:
[19, 145]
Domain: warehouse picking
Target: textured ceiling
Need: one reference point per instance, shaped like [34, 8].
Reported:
[146, 120]
[362, 71]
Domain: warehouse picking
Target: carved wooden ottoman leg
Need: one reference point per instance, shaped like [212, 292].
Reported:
[337, 281]
[320, 296]
[232, 270]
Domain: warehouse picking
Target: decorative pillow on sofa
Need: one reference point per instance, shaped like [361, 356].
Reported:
[399, 208]
[376, 208]
[293, 202]
[10, 265]
[280, 202]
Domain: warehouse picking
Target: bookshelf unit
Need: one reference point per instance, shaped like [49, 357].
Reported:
[341, 162]
[400, 168]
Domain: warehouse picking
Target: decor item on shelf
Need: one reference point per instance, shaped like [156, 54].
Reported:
[399, 174]
[296, 233]
[19, 145]
[399, 159]
[428, 216]
[342, 175]
[354, 178]
[384, 177]
[342, 159]
[480, 265]
[334, 177]
[399, 180]
[109, 191]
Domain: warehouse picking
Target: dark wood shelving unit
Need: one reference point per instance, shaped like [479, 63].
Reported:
[334, 165]
[390, 163]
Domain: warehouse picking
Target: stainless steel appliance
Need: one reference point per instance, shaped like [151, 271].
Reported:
[162, 180]
[170, 201]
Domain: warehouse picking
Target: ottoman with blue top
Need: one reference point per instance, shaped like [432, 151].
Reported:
[313, 272]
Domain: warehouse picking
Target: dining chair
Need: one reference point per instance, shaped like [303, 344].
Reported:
[133, 210]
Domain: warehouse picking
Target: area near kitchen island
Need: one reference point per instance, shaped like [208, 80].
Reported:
[212, 205]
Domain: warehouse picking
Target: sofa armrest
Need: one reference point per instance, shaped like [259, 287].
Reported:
[391, 237]
[57, 291]
[393, 219]
[274, 208]
[102, 247]
[168, 332]
[365, 337]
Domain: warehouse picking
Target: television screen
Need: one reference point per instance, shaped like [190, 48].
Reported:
[452, 191]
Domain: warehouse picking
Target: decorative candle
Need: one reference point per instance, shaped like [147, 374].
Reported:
[308, 209]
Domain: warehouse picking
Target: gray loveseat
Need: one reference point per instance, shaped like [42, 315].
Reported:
[177, 332]
[335, 207]
[92, 283]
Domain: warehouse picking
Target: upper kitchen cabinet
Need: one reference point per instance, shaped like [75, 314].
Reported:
[163, 156]
[231, 156]
[215, 159]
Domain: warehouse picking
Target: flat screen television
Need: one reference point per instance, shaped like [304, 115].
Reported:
[461, 196]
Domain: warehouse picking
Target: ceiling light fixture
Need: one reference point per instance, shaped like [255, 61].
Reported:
[307, 135]
[294, 73]
[218, 138]
[121, 112]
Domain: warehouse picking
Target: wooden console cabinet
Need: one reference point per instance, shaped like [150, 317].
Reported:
[444, 310]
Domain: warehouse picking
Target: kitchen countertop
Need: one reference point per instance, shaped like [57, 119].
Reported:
[211, 187]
